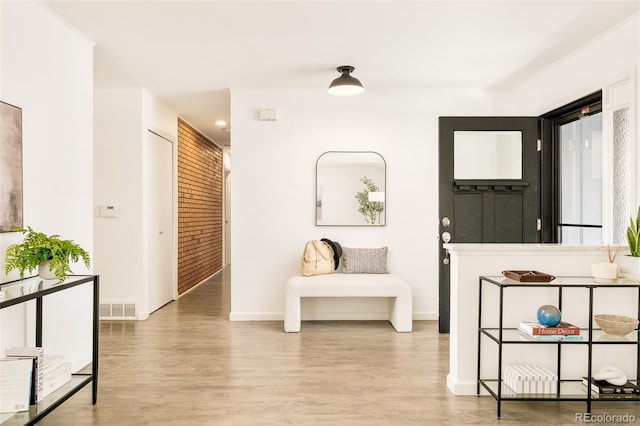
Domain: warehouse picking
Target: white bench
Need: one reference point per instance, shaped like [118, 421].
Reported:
[350, 285]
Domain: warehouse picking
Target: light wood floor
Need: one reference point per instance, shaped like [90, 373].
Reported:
[188, 365]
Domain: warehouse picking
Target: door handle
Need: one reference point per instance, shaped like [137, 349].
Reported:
[446, 237]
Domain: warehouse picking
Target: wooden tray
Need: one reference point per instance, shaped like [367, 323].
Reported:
[529, 276]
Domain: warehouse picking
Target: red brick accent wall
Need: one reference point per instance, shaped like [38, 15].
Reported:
[200, 172]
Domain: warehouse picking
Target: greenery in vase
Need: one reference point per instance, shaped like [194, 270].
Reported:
[38, 248]
[633, 235]
[369, 209]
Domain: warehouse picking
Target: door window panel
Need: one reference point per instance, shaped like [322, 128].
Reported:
[581, 180]
[487, 154]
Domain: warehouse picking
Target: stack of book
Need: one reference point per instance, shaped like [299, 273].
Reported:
[56, 373]
[15, 384]
[49, 372]
[533, 330]
[603, 389]
[36, 354]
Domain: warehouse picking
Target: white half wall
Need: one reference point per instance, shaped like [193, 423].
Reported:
[470, 261]
[274, 186]
[46, 68]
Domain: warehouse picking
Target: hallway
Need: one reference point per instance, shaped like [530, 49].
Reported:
[188, 365]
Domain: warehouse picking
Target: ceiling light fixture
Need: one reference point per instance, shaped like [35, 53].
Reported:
[345, 85]
[220, 123]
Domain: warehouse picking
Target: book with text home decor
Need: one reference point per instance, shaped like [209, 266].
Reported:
[534, 328]
[549, 337]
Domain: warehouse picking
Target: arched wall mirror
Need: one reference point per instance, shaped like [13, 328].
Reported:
[351, 189]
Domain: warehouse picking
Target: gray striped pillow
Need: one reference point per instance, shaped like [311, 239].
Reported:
[364, 260]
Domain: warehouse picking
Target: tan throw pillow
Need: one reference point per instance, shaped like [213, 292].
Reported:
[364, 260]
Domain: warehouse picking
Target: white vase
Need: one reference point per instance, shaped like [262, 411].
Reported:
[606, 271]
[629, 264]
[45, 272]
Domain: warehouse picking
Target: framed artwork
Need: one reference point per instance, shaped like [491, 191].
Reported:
[10, 167]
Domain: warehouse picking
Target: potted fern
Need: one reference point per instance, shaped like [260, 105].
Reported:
[49, 253]
[630, 264]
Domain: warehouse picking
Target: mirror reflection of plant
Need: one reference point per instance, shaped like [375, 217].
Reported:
[369, 209]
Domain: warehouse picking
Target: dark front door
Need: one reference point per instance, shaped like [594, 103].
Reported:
[489, 187]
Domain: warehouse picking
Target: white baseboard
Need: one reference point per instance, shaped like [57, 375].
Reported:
[79, 361]
[426, 316]
[459, 387]
[256, 316]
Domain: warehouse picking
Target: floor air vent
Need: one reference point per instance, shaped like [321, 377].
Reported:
[114, 311]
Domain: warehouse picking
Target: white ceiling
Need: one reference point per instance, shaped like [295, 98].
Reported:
[191, 53]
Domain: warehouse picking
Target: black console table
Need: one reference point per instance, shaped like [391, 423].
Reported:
[569, 388]
[35, 288]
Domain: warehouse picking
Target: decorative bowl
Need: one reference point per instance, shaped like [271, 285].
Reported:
[617, 325]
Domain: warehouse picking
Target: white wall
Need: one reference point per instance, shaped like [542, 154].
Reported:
[590, 68]
[118, 181]
[47, 70]
[121, 120]
[273, 190]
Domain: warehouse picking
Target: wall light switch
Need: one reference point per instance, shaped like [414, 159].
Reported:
[109, 210]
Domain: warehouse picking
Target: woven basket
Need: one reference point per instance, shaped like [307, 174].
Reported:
[618, 325]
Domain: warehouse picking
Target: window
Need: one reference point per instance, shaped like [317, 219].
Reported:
[580, 169]
[572, 172]
[588, 167]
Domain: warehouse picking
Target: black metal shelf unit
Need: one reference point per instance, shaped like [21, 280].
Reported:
[567, 389]
[35, 288]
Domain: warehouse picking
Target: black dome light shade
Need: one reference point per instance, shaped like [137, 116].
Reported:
[345, 85]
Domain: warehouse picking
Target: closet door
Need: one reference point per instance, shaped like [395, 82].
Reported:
[159, 214]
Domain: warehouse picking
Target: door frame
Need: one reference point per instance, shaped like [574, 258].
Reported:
[226, 219]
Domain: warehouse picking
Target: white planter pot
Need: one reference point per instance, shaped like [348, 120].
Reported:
[45, 272]
[607, 271]
[629, 264]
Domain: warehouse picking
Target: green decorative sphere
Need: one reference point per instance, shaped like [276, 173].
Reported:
[549, 315]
